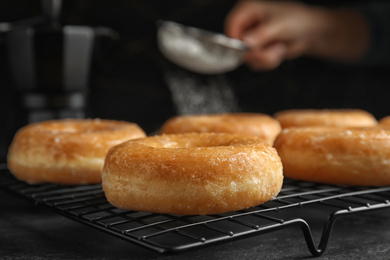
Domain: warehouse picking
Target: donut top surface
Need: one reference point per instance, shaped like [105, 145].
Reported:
[177, 154]
[77, 126]
[385, 121]
[193, 140]
[229, 123]
[73, 136]
[255, 124]
[194, 148]
[71, 127]
[325, 117]
[343, 140]
[348, 132]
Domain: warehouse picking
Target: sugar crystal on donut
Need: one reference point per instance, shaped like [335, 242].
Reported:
[336, 155]
[66, 151]
[255, 124]
[325, 117]
[194, 173]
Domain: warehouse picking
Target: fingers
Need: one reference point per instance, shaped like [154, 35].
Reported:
[267, 58]
[272, 55]
[273, 30]
[267, 47]
[264, 37]
[241, 19]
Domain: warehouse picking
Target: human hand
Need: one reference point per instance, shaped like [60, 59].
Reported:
[277, 30]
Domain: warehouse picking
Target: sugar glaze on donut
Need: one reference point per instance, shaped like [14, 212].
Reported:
[194, 173]
[385, 121]
[68, 151]
[256, 124]
[325, 117]
[336, 155]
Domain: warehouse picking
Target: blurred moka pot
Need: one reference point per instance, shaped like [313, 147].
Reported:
[50, 64]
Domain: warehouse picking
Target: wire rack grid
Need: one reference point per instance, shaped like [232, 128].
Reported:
[175, 233]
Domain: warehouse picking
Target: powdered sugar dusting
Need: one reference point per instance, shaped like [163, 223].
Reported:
[201, 95]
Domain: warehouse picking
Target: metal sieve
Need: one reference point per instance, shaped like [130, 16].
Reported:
[199, 50]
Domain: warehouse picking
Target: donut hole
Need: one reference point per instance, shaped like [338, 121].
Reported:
[196, 140]
[254, 124]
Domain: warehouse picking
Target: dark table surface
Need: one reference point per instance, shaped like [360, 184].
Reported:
[32, 232]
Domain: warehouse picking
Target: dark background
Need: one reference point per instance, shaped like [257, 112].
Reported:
[127, 75]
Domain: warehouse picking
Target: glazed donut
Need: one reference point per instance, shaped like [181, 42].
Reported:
[256, 124]
[67, 151]
[336, 155]
[191, 174]
[385, 121]
[325, 117]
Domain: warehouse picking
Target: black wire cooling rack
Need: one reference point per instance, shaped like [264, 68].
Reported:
[173, 233]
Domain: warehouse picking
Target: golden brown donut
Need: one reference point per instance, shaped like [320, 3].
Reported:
[193, 173]
[68, 151]
[256, 124]
[385, 121]
[336, 155]
[325, 117]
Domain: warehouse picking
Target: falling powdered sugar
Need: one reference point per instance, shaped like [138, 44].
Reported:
[192, 94]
